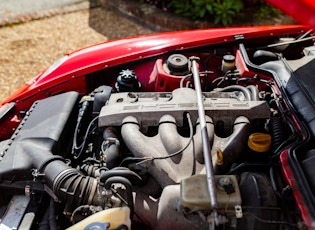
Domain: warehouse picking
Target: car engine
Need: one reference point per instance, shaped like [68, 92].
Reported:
[137, 158]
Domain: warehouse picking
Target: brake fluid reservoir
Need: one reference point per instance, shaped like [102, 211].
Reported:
[115, 217]
[195, 196]
[228, 63]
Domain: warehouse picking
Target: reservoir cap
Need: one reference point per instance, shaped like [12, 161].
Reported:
[259, 142]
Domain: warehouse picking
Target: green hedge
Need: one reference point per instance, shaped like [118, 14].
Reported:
[221, 12]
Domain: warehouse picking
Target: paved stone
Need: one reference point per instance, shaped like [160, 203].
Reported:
[20, 11]
[13, 8]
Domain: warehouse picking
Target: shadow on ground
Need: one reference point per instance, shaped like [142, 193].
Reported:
[111, 24]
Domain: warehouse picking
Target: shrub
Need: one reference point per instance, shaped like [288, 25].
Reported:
[226, 10]
[266, 11]
[219, 11]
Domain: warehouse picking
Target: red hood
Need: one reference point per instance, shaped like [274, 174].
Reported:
[301, 10]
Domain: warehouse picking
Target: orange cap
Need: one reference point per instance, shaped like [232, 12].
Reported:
[259, 142]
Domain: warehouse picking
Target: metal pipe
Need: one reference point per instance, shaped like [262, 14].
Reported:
[254, 91]
[205, 140]
[289, 42]
[164, 144]
[243, 89]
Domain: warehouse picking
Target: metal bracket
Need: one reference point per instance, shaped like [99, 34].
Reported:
[238, 37]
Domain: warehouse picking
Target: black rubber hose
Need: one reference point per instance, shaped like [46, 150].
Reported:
[89, 170]
[128, 186]
[49, 220]
[52, 215]
[133, 177]
[112, 156]
[44, 224]
[110, 147]
[262, 56]
[92, 170]
[277, 132]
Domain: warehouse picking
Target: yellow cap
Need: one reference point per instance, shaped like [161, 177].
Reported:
[259, 142]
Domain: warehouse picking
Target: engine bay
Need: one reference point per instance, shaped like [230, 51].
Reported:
[130, 153]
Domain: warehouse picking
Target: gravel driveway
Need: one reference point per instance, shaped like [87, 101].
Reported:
[28, 48]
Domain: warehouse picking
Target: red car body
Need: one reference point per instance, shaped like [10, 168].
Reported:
[67, 75]
[81, 70]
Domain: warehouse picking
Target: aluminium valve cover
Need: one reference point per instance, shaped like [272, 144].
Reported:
[148, 107]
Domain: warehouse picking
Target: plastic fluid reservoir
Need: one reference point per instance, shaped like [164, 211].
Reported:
[195, 196]
[114, 216]
[228, 63]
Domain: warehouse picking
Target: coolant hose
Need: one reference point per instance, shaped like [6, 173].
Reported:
[263, 56]
[133, 177]
[128, 187]
[110, 147]
[112, 156]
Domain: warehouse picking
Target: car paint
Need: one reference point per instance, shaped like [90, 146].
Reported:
[300, 10]
[113, 53]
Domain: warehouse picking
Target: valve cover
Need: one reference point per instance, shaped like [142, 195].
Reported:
[148, 107]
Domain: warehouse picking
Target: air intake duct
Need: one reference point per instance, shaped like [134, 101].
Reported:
[37, 147]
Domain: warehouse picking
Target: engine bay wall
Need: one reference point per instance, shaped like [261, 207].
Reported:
[297, 78]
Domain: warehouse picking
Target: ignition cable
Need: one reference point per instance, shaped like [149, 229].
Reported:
[75, 148]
